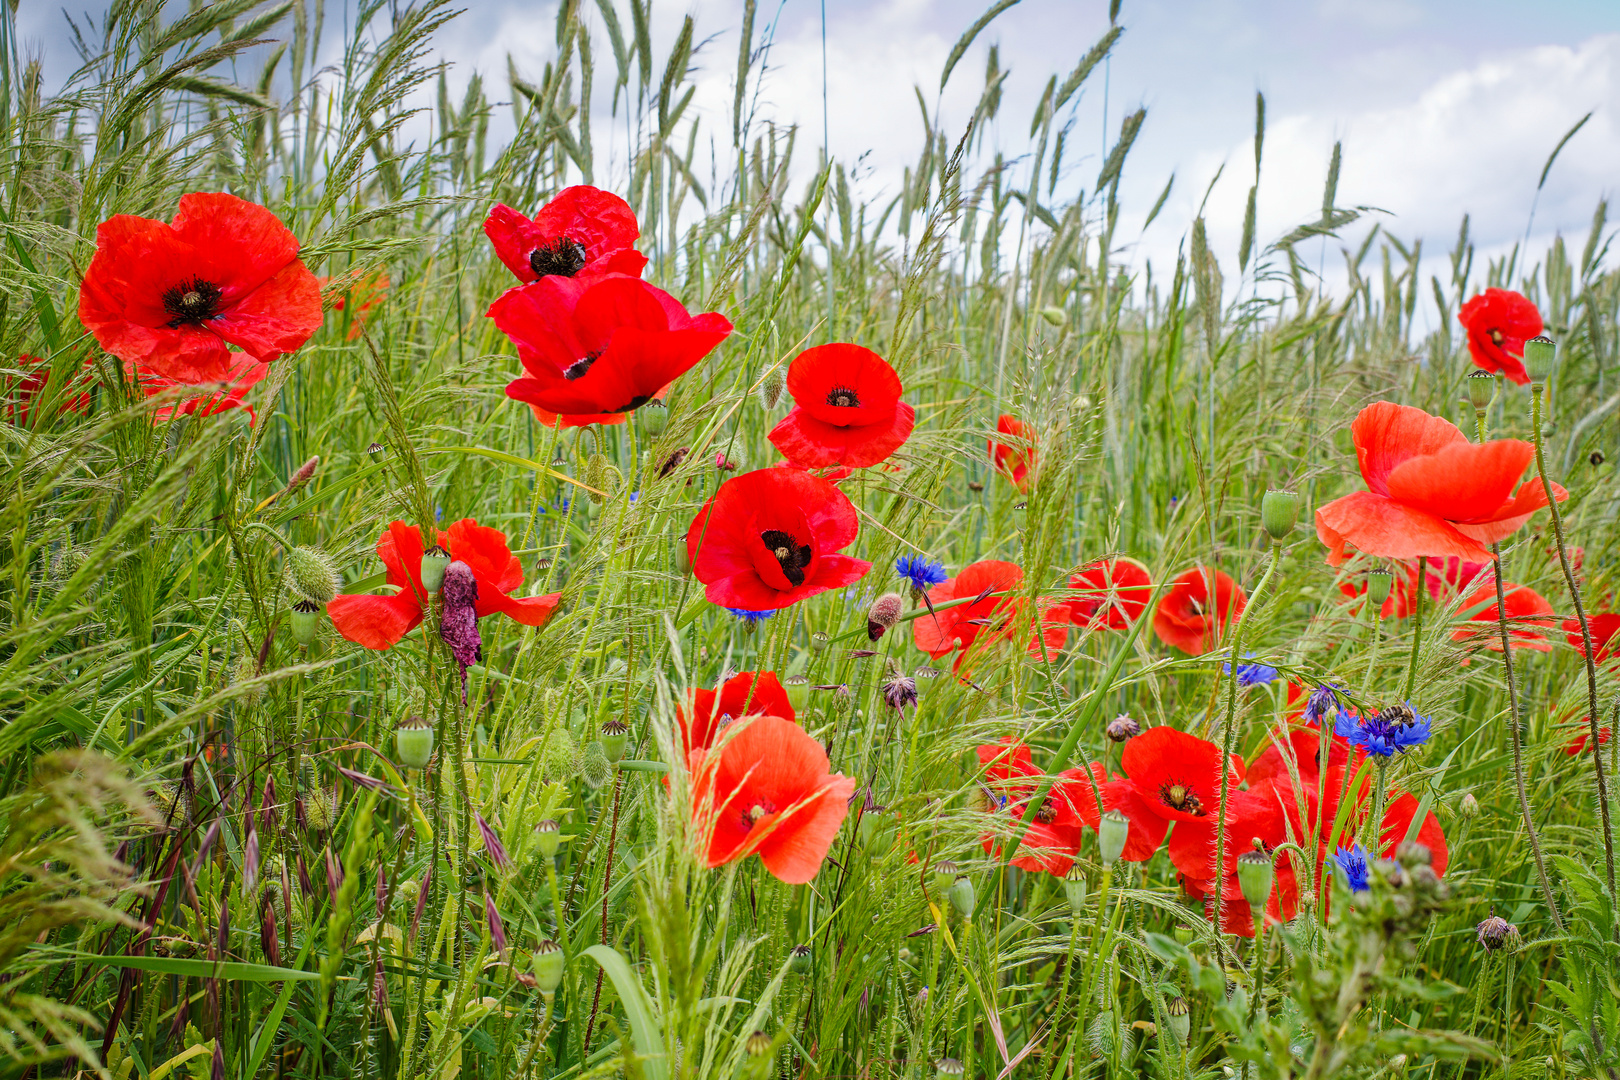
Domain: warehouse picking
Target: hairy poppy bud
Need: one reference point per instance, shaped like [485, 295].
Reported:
[883, 614]
[1112, 832]
[413, 742]
[770, 390]
[311, 575]
[1497, 933]
[1074, 890]
[798, 690]
[800, 959]
[1540, 356]
[1255, 874]
[599, 477]
[1481, 388]
[614, 735]
[1177, 1018]
[548, 837]
[434, 560]
[961, 894]
[653, 416]
[1122, 728]
[594, 767]
[1379, 582]
[1279, 513]
[305, 621]
[377, 451]
[548, 966]
[758, 1045]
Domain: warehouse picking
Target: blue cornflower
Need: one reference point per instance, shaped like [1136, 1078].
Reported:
[1251, 674]
[750, 619]
[1353, 861]
[920, 572]
[1397, 728]
[1324, 701]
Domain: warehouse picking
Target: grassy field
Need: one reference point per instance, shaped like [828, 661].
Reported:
[215, 859]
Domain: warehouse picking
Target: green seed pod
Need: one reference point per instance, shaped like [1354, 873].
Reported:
[1540, 358]
[413, 742]
[559, 757]
[434, 561]
[961, 895]
[1379, 582]
[1481, 388]
[653, 416]
[1112, 833]
[948, 1069]
[594, 767]
[682, 557]
[377, 451]
[305, 622]
[820, 641]
[1074, 889]
[1279, 513]
[599, 476]
[945, 873]
[1177, 1018]
[1056, 316]
[800, 960]
[758, 1045]
[548, 837]
[877, 831]
[320, 810]
[1255, 874]
[798, 691]
[310, 574]
[548, 966]
[614, 736]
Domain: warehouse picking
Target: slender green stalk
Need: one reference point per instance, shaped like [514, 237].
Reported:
[1417, 627]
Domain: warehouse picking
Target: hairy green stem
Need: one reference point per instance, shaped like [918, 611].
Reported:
[1417, 627]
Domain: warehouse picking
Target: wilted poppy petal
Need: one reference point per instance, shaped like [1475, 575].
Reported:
[375, 622]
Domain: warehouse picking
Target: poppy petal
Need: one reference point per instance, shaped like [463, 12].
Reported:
[806, 440]
[1461, 482]
[277, 317]
[1386, 434]
[483, 548]
[400, 549]
[235, 244]
[844, 385]
[528, 610]
[375, 622]
[1385, 528]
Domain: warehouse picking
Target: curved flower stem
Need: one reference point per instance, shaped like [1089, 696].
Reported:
[1068, 977]
[1227, 736]
[1374, 842]
[1513, 720]
[1417, 627]
[1586, 634]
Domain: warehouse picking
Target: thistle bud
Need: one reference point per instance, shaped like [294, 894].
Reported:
[311, 575]
[1255, 874]
[434, 560]
[548, 966]
[548, 837]
[883, 614]
[1379, 582]
[413, 742]
[1496, 933]
[1279, 513]
[1177, 1018]
[377, 451]
[1468, 807]
[1481, 388]
[758, 1045]
[800, 960]
[1074, 890]
[1112, 832]
[770, 390]
[1540, 356]
[594, 767]
[653, 416]
[961, 895]
[614, 735]
[798, 690]
[1122, 728]
[305, 622]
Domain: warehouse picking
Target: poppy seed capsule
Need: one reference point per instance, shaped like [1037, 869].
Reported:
[548, 966]
[948, 1068]
[1540, 357]
[305, 621]
[961, 895]
[800, 960]
[883, 614]
[758, 1045]
[548, 837]
[1122, 728]
[377, 451]
[798, 690]
[434, 560]
[1255, 874]
[1497, 933]
[1112, 832]
[1055, 316]
[614, 734]
[1177, 1018]
[1379, 582]
[653, 416]
[413, 742]
[1481, 388]
[820, 640]
[1074, 890]
[944, 873]
[1279, 513]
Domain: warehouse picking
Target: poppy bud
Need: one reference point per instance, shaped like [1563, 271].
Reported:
[1255, 874]
[614, 734]
[1540, 355]
[548, 966]
[820, 640]
[800, 960]
[961, 894]
[413, 742]
[944, 873]
[1497, 933]
[653, 416]
[758, 1045]
[1468, 806]
[770, 391]
[1074, 889]
[1056, 316]
[548, 837]
[311, 575]
[305, 621]
[1379, 582]
[798, 690]
[599, 476]
[1481, 388]
[1176, 1018]
[1279, 513]
[377, 451]
[948, 1068]
[884, 613]
[434, 560]
[594, 767]
[1112, 832]
[1121, 728]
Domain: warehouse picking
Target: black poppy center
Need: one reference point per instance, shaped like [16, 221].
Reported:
[1197, 607]
[791, 555]
[192, 303]
[578, 368]
[1496, 336]
[1179, 796]
[562, 257]
[843, 397]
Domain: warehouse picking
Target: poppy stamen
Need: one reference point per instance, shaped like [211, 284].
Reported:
[760, 809]
[192, 303]
[562, 257]
[843, 397]
[578, 368]
[792, 556]
[1179, 796]
[1496, 336]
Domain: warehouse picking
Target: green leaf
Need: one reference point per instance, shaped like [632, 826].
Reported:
[230, 971]
[638, 1008]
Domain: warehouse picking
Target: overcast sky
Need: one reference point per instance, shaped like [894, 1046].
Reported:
[1444, 107]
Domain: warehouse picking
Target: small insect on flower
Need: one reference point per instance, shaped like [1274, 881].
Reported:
[1395, 729]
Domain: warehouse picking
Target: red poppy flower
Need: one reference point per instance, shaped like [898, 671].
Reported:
[1498, 323]
[380, 622]
[1431, 491]
[769, 791]
[244, 376]
[1255, 822]
[594, 346]
[770, 538]
[1113, 593]
[1177, 776]
[748, 693]
[1526, 609]
[994, 618]
[1052, 839]
[1578, 743]
[582, 230]
[1302, 743]
[366, 293]
[26, 387]
[1189, 618]
[1015, 456]
[847, 409]
[1603, 626]
[1147, 829]
[172, 298]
